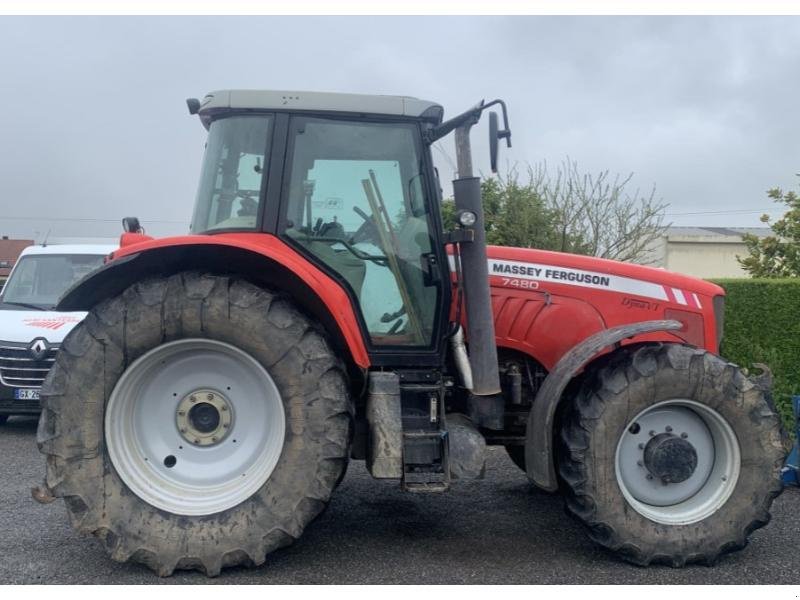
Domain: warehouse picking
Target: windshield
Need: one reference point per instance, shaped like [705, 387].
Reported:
[233, 170]
[39, 280]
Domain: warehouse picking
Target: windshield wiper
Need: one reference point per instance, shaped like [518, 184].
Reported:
[25, 305]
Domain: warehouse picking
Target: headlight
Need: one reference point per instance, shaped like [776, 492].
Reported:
[466, 218]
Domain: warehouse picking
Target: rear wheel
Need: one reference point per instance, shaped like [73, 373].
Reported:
[669, 454]
[195, 422]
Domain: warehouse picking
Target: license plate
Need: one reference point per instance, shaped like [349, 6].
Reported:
[26, 394]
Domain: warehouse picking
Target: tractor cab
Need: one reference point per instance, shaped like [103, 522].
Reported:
[347, 181]
[354, 196]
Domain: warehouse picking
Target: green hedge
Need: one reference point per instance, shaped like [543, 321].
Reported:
[762, 325]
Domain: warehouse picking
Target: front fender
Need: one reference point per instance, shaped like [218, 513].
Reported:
[260, 258]
[539, 461]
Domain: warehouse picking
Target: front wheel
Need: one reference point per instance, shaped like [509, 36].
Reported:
[195, 422]
[670, 454]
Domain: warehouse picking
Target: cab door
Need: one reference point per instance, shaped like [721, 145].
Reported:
[356, 201]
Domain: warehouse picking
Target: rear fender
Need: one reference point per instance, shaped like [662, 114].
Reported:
[270, 263]
[539, 432]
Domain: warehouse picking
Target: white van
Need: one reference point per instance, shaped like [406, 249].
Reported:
[30, 330]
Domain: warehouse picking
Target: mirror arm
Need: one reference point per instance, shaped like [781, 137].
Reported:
[471, 116]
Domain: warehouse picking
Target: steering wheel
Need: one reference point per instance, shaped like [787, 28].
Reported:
[249, 203]
[368, 231]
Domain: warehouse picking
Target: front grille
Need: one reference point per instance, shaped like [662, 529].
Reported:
[18, 368]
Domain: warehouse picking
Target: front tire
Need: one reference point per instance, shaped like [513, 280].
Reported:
[669, 454]
[163, 486]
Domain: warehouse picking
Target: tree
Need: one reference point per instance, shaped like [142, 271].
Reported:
[777, 255]
[570, 212]
[595, 213]
[514, 214]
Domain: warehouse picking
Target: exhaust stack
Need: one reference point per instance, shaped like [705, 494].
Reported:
[475, 271]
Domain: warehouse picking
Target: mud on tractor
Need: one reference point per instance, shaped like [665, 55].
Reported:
[204, 412]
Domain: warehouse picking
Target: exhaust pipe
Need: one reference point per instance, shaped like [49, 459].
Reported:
[475, 274]
[461, 358]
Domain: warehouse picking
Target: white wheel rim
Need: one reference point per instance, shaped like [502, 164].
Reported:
[713, 479]
[143, 436]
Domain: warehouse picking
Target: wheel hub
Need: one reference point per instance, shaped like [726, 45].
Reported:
[204, 417]
[677, 461]
[670, 458]
[195, 426]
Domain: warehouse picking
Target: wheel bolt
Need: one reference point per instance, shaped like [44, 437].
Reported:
[210, 397]
[225, 425]
[223, 408]
[192, 399]
[213, 439]
[641, 446]
[649, 476]
[639, 463]
[183, 430]
[652, 433]
[684, 435]
[197, 441]
[181, 413]
[668, 429]
[724, 478]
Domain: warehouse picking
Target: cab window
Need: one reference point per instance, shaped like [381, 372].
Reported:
[234, 165]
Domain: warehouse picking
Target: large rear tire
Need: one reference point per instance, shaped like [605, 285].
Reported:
[166, 482]
[669, 454]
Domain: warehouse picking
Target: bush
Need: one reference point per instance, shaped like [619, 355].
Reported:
[762, 325]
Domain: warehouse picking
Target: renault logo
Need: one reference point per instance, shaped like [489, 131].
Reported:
[38, 348]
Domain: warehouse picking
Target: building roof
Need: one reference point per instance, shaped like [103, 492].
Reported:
[719, 233]
[9, 252]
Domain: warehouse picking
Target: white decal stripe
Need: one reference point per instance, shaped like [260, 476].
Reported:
[679, 296]
[697, 300]
[576, 277]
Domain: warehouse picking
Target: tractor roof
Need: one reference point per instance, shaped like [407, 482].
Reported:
[402, 106]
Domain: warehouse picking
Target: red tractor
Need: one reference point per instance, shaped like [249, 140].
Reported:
[206, 409]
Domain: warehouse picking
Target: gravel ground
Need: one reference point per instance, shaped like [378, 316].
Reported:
[499, 530]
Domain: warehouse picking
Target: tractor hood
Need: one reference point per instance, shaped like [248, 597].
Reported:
[588, 271]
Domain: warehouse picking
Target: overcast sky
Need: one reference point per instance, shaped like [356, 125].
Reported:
[94, 126]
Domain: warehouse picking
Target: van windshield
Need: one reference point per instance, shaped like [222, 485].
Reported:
[38, 281]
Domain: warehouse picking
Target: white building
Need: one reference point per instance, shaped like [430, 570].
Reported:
[707, 252]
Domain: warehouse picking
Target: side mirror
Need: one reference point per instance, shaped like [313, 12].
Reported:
[131, 225]
[495, 135]
[493, 139]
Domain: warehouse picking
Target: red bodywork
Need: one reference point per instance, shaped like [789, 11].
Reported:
[269, 246]
[544, 302]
